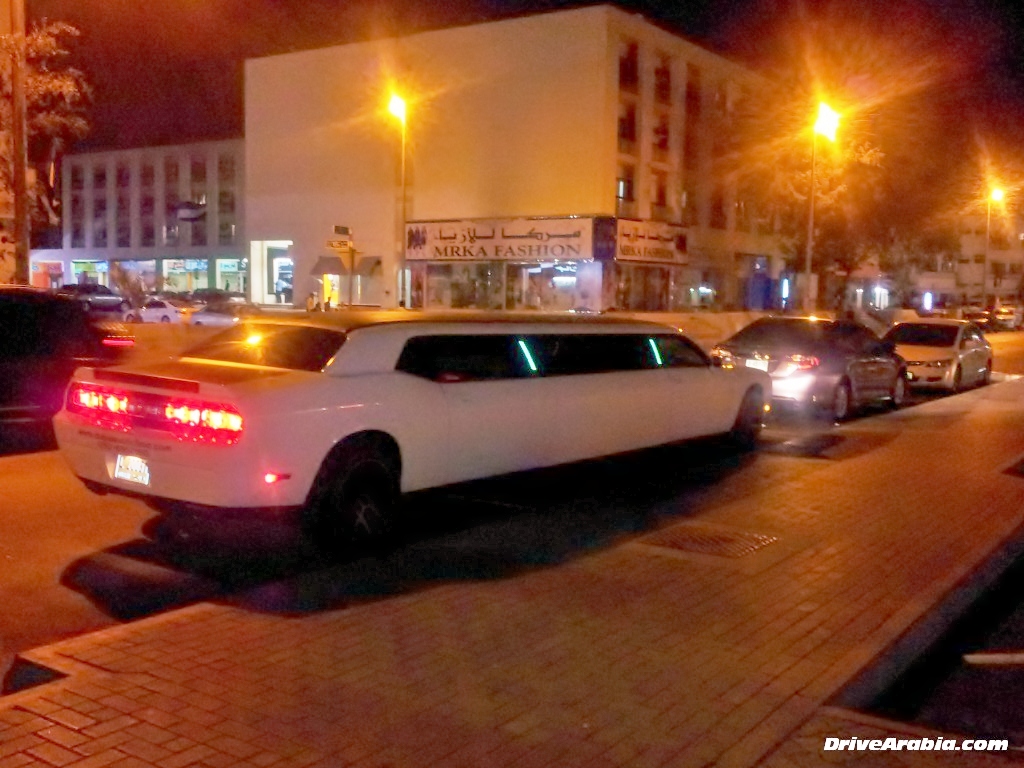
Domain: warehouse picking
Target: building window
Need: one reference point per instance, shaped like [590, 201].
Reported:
[226, 169]
[625, 191]
[77, 177]
[692, 91]
[627, 128]
[123, 219]
[124, 176]
[226, 217]
[663, 81]
[689, 201]
[660, 210]
[99, 221]
[99, 207]
[661, 138]
[691, 131]
[171, 200]
[629, 66]
[718, 217]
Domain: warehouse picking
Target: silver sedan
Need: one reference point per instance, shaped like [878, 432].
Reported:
[943, 353]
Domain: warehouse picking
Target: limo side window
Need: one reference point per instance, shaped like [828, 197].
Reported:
[680, 352]
[454, 358]
[570, 354]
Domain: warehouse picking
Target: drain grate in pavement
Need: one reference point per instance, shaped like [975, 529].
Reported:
[809, 447]
[709, 540]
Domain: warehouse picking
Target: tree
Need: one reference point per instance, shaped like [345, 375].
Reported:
[877, 189]
[57, 97]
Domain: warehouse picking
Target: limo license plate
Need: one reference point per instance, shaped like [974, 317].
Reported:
[134, 469]
[761, 365]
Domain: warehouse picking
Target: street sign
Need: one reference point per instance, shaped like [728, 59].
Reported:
[339, 245]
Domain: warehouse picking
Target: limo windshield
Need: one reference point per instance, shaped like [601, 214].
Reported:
[296, 347]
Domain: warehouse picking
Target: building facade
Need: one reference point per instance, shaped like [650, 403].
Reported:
[557, 161]
[170, 217]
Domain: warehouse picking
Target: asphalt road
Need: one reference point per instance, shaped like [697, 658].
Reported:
[73, 562]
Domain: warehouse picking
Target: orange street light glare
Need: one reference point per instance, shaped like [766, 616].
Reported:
[828, 121]
[997, 195]
[397, 107]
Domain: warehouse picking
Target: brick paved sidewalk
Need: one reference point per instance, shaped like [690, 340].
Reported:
[635, 655]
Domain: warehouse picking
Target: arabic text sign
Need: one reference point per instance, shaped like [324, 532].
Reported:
[650, 241]
[500, 239]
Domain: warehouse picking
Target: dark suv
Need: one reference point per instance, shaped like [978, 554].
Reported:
[44, 338]
[832, 365]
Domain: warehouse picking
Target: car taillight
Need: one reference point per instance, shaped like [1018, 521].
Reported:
[118, 341]
[803, 362]
[187, 419]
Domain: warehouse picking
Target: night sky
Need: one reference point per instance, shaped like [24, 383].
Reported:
[171, 72]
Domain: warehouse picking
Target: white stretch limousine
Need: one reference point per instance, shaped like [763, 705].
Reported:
[337, 414]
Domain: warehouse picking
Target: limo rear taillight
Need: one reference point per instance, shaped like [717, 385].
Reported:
[188, 419]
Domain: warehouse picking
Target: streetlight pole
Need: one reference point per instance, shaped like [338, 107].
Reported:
[809, 254]
[397, 108]
[995, 195]
[826, 125]
[19, 143]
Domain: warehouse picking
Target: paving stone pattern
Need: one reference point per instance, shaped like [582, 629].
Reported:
[630, 656]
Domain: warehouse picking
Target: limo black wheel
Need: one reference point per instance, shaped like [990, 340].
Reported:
[749, 419]
[355, 501]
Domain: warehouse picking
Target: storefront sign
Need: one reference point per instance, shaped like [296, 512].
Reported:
[501, 239]
[651, 241]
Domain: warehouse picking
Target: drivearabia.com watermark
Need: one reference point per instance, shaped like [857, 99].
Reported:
[893, 744]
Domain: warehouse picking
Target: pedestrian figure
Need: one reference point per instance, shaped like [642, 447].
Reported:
[311, 303]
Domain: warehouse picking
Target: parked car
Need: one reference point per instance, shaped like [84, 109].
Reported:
[982, 318]
[156, 311]
[1006, 318]
[215, 296]
[98, 299]
[45, 337]
[223, 313]
[943, 353]
[833, 366]
[333, 415]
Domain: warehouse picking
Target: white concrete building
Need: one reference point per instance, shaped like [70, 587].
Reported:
[170, 216]
[559, 160]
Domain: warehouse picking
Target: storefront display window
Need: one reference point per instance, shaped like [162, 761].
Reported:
[182, 275]
[651, 288]
[229, 275]
[92, 272]
[282, 270]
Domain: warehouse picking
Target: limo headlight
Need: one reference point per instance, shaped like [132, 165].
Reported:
[933, 364]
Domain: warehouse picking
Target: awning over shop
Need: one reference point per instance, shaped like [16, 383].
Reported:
[329, 265]
[368, 265]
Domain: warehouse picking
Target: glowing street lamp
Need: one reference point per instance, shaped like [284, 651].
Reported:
[996, 195]
[396, 106]
[826, 125]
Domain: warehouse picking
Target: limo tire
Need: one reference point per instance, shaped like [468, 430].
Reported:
[354, 496]
[749, 420]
